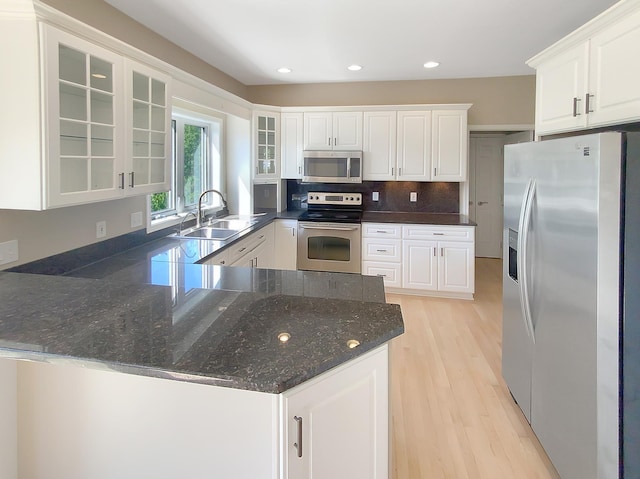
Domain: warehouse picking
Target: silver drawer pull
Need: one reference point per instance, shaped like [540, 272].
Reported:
[382, 250]
[378, 231]
[241, 250]
[298, 444]
[438, 234]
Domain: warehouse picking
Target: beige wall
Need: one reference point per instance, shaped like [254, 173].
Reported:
[496, 101]
[104, 17]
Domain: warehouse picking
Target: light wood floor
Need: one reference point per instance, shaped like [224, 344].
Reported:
[452, 414]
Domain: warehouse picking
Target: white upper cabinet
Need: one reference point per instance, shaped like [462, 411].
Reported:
[561, 85]
[266, 146]
[292, 144]
[589, 79]
[333, 130]
[148, 165]
[379, 149]
[449, 145]
[84, 120]
[86, 123]
[414, 146]
[614, 77]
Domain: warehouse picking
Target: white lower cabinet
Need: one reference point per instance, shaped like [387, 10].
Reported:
[421, 259]
[337, 425]
[255, 251]
[420, 265]
[286, 244]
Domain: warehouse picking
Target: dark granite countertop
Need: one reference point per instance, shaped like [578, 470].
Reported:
[444, 219]
[154, 311]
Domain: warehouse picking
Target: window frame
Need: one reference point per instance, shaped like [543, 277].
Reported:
[214, 171]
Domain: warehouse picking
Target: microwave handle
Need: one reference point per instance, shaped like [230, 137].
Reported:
[349, 167]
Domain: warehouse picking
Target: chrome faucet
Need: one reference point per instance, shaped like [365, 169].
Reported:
[199, 217]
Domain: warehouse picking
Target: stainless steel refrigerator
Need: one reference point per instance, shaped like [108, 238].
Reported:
[571, 299]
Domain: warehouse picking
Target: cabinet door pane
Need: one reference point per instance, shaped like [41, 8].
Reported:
[73, 175]
[157, 145]
[140, 87]
[73, 102]
[102, 174]
[140, 115]
[73, 138]
[157, 170]
[157, 118]
[140, 143]
[158, 96]
[141, 171]
[101, 108]
[271, 123]
[101, 75]
[101, 140]
[72, 65]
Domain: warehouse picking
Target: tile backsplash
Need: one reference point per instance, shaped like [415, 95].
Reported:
[432, 197]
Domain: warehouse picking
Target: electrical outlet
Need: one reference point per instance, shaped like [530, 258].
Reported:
[375, 196]
[8, 252]
[101, 229]
[413, 196]
[136, 219]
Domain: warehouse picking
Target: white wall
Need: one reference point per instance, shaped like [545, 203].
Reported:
[8, 420]
[238, 148]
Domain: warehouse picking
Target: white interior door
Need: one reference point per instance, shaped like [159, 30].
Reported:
[486, 193]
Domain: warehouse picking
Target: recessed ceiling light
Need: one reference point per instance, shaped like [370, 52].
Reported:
[284, 70]
[354, 68]
[431, 64]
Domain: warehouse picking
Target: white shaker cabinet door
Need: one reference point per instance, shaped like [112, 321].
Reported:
[614, 82]
[420, 265]
[456, 267]
[292, 145]
[318, 131]
[337, 425]
[561, 86]
[449, 145]
[379, 145]
[414, 146]
[347, 130]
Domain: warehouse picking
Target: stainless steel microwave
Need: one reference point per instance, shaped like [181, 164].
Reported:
[332, 167]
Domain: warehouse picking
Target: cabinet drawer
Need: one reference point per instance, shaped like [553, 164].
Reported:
[382, 249]
[382, 230]
[437, 233]
[391, 272]
[247, 245]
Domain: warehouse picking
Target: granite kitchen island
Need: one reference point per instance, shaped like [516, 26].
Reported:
[147, 367]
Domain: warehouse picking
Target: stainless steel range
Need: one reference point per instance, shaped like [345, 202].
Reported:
[329, 236]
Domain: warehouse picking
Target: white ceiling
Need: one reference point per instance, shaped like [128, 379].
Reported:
[250, 39]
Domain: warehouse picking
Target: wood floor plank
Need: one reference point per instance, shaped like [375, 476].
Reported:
[452, 414]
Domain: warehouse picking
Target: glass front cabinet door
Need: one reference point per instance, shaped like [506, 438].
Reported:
[148, 165]
[84, 120]
[267, 148]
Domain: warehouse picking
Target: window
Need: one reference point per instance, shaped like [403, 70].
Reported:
[196, 164]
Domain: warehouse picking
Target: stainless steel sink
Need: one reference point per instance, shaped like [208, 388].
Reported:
[233, 224]
[207, 232]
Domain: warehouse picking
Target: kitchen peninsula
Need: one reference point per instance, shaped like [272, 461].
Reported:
[231, 372]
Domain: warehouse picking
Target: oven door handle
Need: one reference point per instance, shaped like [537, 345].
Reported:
[330, 228]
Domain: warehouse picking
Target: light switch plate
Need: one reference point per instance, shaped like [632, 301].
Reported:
[375, 196]
[413, 196]
[8, 252]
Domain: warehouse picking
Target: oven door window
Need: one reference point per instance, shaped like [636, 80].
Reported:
[329, 248]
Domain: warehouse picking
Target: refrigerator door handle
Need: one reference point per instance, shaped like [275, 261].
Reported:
[523, 240]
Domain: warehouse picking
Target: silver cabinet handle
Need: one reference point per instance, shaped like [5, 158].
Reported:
[434, 251]
[327, 228]
[298, 444]
[223, 262]
[438, 234]
[382, 251]
[241, 250]
[480, 203]
[132, 175]
[441, 251]
[576, 112]
[399, 171]
[380, 231]
[329, 140]
[392, 170]
[587, 104]
[121, 181]
[299, 170]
